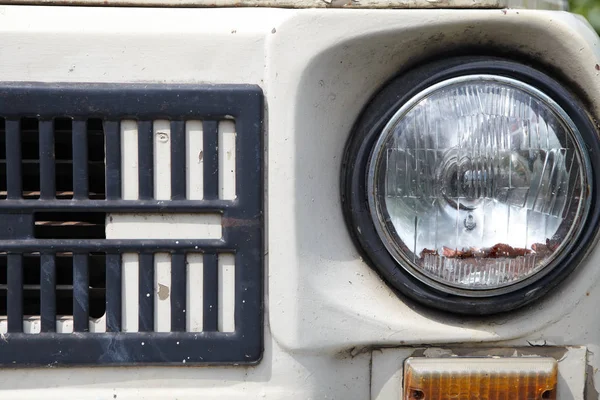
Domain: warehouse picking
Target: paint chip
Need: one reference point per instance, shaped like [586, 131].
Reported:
[163, 292]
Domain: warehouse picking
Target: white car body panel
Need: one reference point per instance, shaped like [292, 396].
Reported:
[326, 309]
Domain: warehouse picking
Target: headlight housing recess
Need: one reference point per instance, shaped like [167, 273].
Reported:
[469, 184]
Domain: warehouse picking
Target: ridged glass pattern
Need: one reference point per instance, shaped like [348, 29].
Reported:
[481, 183]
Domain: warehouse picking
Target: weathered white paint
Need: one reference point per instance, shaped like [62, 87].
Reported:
[129, 160]
[130, 289]
[226, 278]
[98, 325]
[323, 294]
[347, 4]
[33, 325]
[226, 150]
[164, 226]
[194, 309]
[348, 378]
[318, 68]
[64, 324]
[162, 159]
[194, 160]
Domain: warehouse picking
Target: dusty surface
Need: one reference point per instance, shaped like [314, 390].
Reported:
[378, 4]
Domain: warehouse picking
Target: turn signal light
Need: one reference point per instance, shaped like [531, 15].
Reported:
[457, 378]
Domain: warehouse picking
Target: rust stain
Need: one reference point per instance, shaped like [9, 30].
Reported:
[230, 222]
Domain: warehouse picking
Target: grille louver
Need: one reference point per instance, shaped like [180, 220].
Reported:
[131, 226]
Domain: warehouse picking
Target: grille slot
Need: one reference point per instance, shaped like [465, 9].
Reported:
[48, 145]
[33, 269]
[66, 225]
[132, 216]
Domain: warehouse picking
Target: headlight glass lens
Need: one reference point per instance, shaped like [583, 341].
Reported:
[478, 183]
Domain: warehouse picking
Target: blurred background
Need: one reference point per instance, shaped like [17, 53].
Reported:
[588, 8]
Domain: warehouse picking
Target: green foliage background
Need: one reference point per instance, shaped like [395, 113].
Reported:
[588, 8]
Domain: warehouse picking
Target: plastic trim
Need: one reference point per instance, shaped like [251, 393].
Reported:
[243, 225]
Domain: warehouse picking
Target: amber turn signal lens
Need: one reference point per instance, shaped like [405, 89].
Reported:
[461, 378]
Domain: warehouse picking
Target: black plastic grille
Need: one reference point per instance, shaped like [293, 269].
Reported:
[61, 175]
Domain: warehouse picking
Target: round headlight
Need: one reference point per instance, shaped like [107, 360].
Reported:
[477, 181]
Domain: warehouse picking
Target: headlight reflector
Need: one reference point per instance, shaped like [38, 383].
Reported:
[478, 183]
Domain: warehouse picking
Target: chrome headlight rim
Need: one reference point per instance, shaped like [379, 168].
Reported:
[356, 189]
